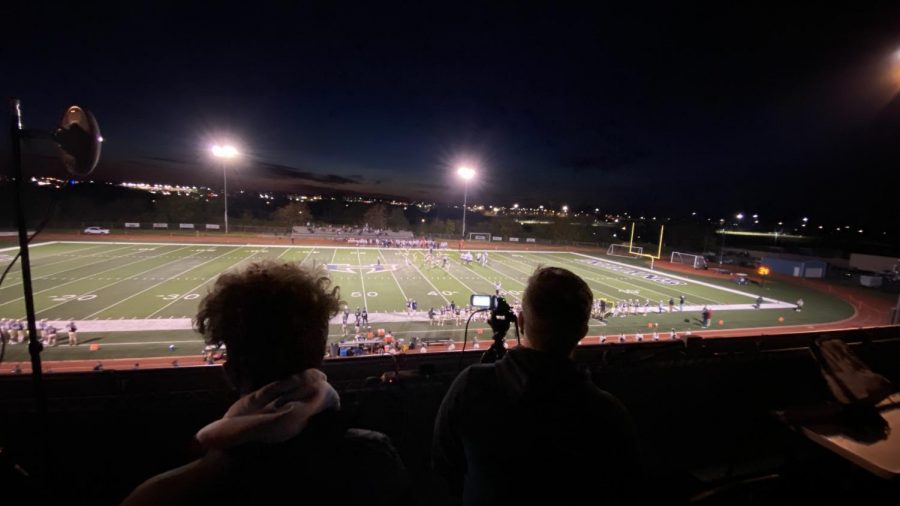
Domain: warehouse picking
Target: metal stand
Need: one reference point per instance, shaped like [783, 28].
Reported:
[34, 345]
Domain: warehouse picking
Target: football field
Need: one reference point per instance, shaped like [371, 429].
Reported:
[135, 299]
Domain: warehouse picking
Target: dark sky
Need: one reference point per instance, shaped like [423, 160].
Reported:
[720, 108]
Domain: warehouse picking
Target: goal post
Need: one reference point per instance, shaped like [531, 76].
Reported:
[623, 250]
[695, 261]
[479, 236]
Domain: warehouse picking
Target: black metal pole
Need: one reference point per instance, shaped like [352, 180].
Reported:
[34, 344]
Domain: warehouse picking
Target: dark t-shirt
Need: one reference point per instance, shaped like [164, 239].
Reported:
[531, 428]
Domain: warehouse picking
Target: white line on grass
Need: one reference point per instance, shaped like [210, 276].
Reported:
[601, 292]
[192, 290]
[49, 276]
[121, 281]
[95, 274]
[161, 282]
[673, 276]
[30, 246]
[473, 271]
[362, 280]
[405, 298]
[307, 256]
[429, 282]
[37, 263]
[645, 284]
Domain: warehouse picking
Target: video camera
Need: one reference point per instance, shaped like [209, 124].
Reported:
[501, 318]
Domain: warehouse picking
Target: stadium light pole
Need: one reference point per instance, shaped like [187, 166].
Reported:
[466, 173]
[739, 217]
[225, 152]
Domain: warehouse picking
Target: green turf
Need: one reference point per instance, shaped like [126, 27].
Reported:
[110, 281]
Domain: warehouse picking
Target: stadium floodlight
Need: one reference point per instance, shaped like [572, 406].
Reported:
[565, 209]
[740, 216]
[466, 173]
[225, 152]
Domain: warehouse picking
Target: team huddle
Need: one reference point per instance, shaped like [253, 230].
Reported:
[14, 331]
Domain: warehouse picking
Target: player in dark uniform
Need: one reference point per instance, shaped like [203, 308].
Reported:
[365, 317]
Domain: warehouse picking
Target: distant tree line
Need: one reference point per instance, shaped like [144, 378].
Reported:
[89, 204]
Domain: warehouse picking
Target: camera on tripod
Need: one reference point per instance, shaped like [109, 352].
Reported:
[501, 318]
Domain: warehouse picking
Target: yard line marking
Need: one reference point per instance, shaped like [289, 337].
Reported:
[429, 281]
[96, 273]
[157, 284]
[492, 283]
[232, 266]
[67, 254]
[601, 292]
[308, 255]
[359, 262]
[405, 298]
[469, 288]
[641, 286]
[216, 276]
[47, 276]
[117, 282]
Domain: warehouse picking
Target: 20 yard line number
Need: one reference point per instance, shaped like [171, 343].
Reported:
[71, 297]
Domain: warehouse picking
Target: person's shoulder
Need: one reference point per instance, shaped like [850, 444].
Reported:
[604, 402]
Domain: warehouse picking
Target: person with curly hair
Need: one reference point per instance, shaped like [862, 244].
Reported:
[287, 425]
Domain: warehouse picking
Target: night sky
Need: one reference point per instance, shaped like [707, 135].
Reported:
[784, 111]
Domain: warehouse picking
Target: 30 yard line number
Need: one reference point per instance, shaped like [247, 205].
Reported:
[176, 296]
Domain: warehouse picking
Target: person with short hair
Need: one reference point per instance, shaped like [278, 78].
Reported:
[287, 424]
[553, 404]
[73, 333]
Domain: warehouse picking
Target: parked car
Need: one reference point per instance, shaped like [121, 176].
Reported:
[96, 231]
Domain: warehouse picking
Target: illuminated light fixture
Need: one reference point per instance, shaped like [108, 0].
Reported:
[224, 151]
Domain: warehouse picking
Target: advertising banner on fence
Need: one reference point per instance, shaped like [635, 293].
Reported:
[530, 239]
[185, 225]
[160, 225]
[513, 239]
[212, 226]
[132, 225]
